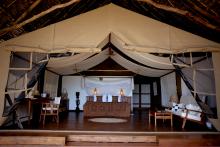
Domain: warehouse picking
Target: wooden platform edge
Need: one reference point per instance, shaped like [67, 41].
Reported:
[32, 140]
[113, 138]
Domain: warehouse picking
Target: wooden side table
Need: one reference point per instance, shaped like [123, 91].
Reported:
[163, 115]
[32, 101]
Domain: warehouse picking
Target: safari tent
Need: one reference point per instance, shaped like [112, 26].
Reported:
[139, 44]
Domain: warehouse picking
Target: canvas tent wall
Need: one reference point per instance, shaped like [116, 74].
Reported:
[5, 57]
[216, 61]
[130, 31]
[85, 34]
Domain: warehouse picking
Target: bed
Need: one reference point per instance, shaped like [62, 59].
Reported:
[113, 108]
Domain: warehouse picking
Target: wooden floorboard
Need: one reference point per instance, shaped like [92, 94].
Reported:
[163, 138]
[32, 140]
[112, 138]
[137, 125]
[137, 122]
[104, 144]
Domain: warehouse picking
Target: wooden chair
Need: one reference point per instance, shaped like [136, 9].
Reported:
[189, 114]
[189, 117]
[51, 109]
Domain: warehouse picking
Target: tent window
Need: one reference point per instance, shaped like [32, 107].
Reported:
[21, 61]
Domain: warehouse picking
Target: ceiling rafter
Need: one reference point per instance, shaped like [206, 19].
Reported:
[15, 32]
[10, 18]
[59, 6]
[201, 11]
[205, 24]
[208, 7]
[28, 10]
[181, 12]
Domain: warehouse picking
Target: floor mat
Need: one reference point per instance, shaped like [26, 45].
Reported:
[108, 120]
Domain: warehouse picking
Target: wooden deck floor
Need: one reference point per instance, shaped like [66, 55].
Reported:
[137, 122]
[137, 125]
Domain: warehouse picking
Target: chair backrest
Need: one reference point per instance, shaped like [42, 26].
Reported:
[57, 100]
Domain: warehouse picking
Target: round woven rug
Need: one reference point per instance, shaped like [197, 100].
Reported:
[108, 120]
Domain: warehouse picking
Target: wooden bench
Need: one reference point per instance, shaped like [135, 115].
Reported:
[32, 140]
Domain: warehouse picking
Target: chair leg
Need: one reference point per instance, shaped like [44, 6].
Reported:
[57, 118]
[44, 120]
[40, 117]
[184, 122]
[171, 120]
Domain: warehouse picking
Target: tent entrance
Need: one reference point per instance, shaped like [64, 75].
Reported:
[146, 93]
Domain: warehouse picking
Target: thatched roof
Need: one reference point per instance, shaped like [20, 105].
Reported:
[200, 17]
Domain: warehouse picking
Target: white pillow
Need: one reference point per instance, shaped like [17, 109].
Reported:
[95, 98]
[178, 107]
[119, 98]
[104, 98]
[197, 114]
[109, 98]
[193, 107]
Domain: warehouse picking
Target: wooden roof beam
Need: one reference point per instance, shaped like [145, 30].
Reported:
[53, 8]
[181, 12]
[28, 10]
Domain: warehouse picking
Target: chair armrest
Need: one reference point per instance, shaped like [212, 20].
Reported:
[50, 105]
[45, 104]
[167, 108]
[194, 110]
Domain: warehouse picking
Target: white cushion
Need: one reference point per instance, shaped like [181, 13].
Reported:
[193, 107]
[192, 116]
[49, 108]
[94, 98]
[57, 100]
[109, 98]
[196, 114]
[119, 98]
[104, 98]
[178, 107]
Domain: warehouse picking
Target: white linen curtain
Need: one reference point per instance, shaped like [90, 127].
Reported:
[67, 61]
[168, 88]
[107, 85]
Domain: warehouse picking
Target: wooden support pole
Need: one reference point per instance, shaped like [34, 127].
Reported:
[194, 82]
[26, 82]
[191, 60]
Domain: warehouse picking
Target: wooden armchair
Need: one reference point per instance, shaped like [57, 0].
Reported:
[187, 109]
[190, 112]
[51, 109]
[193, 115]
